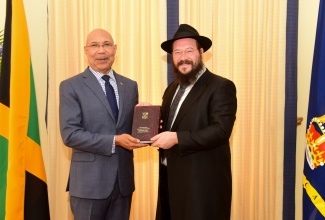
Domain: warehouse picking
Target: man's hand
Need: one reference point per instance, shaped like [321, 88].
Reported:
[128, 142]
[165, 140]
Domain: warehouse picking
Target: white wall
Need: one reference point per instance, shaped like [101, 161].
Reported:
[2, 13]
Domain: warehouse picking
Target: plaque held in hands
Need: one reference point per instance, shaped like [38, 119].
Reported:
[145, 122]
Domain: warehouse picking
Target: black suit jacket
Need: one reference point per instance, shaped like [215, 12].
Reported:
[199, 166]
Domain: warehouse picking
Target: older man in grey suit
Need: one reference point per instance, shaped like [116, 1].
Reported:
[101, 180]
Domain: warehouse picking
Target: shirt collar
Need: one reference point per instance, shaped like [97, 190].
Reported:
[99, 74]
[201, 72]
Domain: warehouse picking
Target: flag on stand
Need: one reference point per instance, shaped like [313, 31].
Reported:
[314, 169]
[23, 187]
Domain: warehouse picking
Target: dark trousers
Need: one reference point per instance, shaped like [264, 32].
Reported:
[115, 207]
[163, 209]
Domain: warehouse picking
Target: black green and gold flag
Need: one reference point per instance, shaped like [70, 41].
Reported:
[23, 187]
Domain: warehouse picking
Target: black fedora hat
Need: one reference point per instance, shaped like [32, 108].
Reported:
[186, 31]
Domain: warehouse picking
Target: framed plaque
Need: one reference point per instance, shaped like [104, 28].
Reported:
[145, 122]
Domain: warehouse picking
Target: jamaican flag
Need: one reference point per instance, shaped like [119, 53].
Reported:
[23, 188]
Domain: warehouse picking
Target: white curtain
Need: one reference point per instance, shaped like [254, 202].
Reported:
[137, 30]
[248, 48]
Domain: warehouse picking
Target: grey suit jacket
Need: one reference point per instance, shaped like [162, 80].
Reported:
[88, 126]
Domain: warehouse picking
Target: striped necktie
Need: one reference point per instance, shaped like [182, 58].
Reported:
[173, 107]
[110, 94]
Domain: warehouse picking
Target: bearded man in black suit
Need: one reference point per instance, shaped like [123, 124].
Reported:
[195, 179]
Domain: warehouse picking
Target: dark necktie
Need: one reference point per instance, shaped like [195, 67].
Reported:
[174, 105]
[110, 94]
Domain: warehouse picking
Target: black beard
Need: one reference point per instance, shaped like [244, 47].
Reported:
[190, 77]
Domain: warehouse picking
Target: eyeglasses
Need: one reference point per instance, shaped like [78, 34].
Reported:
[105, 46]
[187, 52]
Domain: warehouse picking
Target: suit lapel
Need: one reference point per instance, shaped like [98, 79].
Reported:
[121, 92]
[167, 100]
[92, 83]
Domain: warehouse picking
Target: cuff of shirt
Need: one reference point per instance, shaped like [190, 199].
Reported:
[113, 146]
